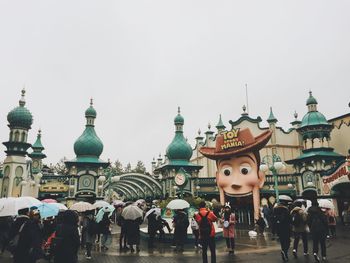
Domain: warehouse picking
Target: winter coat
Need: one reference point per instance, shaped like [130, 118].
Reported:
[282, 220]
[28, 249]
[153, 224]
[90, 228]
[132, 229]
[317, 222]
[180, 232]
[302, 227]
[211, 218]
[67, 241]
[105, 224]
[229, 232]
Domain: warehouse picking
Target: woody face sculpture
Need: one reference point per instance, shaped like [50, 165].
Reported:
[237, 159]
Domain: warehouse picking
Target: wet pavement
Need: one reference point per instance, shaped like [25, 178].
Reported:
[260, 249]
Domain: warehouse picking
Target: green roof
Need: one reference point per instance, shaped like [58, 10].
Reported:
[317, 153]
[37, 144]
[272, 118]
[91, 112]
[179, 148]
[220, 124]
[88, 144]
[311, 99]
[20, 116]
[313, 118]
[179, 119]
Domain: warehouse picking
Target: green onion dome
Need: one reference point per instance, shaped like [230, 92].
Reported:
[179, 148]
[20, 117]
[88, 144]
[179, 119]
[313, 118]
[311, 99]
[91, 112]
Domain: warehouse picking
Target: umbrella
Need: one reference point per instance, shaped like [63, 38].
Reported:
[82, 207]
[155, 210]
[47, 210]
[132, 212]
[60, 206]
[118, 203]
[100, 203]
[107, 209]
[49, 201]
[325, 203]
[140, 201]
[178, 204]
[8, 207]
[285, 198]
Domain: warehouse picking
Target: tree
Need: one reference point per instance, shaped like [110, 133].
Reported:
[139, 168]
[117, 167]
[127, 168]
[60, 167]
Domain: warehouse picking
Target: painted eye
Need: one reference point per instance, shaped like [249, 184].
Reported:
[226, 171]
[245, 169]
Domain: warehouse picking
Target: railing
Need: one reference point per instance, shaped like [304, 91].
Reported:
[281, 178]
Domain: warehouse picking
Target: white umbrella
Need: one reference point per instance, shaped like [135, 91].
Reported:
[82, 207]
[285, 198]
[155, 210]
[132, 212]
[177, 204]
[325, 203]
[100, 203]
[8, 207]
[118, 202]
[60, 206]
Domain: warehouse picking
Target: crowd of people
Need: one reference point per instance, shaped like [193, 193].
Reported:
[58, 239]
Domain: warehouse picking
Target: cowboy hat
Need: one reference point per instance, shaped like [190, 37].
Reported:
[236, 141]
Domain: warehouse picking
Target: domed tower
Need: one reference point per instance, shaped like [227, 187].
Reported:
[178, 174]
[15, 166]
[86, 170]
[317, 156]
[37, 155]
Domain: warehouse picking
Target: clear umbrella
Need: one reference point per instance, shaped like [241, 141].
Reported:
[177, 204]
[48, 210]
[100, 203]
[82, 207]
[132, 212]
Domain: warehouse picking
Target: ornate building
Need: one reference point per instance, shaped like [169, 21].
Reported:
[86, 171]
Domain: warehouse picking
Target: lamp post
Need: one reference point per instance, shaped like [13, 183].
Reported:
[274, 164]
[197, 188]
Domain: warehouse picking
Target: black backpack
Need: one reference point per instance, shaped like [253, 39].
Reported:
[204, 227]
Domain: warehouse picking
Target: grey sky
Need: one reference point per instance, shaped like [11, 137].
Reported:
[139, 60]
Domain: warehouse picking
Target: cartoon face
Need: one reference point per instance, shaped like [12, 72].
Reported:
[238, 176]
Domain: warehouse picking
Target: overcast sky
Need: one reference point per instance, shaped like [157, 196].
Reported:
[140, 60]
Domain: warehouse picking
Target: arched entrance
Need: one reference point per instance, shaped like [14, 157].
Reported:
[341, 193]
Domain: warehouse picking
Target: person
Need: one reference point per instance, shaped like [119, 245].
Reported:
[105, 230]
[238, 160]
[282, 221]
[181, 224]
[152, 228]
[205, 219]
[161, 222]
[332, 222]
[90, 229]
[28, 249]
[346, 215]
[266, 211]
[121, 223]
[66, 241]
[132, 228]
[318, 224]
[195, 231]
[17, 226]
[228, 221]
[49, 226]
[299, 227]
[5, 226]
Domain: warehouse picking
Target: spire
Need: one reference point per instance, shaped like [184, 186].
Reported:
[199, 138]
[244, 113]
[179, 121]
[311, 102]
[38, 148]
[220, 126]
[272, 118]
[22, 101]
[296, 122]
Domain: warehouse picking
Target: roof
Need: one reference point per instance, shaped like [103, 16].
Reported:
[311, 99]
[271, 118]
[317, 153]
[313, 118]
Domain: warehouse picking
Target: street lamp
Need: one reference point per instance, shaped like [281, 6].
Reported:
[274, 164]
[197, 188]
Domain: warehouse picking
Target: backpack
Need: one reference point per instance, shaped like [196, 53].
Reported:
[12, 245]
[297, 219]
[204, 226]
[194, 224]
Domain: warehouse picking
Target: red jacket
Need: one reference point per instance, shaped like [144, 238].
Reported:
[211, 218]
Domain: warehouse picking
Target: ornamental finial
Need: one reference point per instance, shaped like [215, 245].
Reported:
[178, 110]
[22, 101]
[91, 102]
[295, 115]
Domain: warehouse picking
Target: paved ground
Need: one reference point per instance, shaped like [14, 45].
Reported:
[261, 249]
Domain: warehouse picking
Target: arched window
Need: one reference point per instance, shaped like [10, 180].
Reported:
[16, 136]
[23, 137]
[11, 134]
